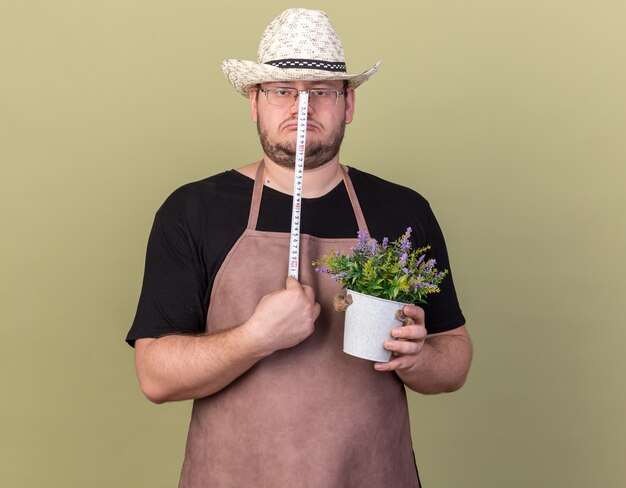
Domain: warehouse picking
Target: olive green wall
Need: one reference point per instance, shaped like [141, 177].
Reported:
[509, 116]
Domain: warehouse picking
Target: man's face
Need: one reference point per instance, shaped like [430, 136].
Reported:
[277, 126]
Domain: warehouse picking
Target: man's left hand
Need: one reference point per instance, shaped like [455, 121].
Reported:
[408, 344]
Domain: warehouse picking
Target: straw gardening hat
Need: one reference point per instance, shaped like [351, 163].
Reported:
[299, 44]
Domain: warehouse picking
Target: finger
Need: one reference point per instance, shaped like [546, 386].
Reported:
[402, 347]
[310, 292]
[390, 366]
[415, 312]
[317, 311]
[411, 332]
[382, 367]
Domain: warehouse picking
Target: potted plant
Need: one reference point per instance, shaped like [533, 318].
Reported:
[379, 278]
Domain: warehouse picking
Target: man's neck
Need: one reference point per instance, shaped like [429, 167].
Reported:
[316, 183]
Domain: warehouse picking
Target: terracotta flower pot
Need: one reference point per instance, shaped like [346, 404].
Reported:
[368, 324]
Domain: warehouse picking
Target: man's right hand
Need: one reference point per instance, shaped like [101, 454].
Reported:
[284, 318]
[182, 367]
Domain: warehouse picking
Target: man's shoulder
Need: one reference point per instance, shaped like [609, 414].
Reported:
[374, 187]
[225, 183]
[208, 192]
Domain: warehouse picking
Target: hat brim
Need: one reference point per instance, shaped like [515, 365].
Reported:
[245, 74]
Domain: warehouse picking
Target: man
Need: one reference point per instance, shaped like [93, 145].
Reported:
[276, 401]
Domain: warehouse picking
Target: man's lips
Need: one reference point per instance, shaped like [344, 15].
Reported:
[293, 125]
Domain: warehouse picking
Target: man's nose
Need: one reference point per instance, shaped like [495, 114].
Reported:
[295, 106]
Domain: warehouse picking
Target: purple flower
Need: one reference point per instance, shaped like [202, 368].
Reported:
[405, 245]
[421, 285]
[366, 245]
[363, 238]
[439, 276]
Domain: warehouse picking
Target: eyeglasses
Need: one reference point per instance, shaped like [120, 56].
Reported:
[319, 97]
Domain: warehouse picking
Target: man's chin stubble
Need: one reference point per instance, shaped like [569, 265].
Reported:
[316, 154]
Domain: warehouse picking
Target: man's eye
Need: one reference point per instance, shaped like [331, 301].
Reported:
[282, 93]
[320, 93]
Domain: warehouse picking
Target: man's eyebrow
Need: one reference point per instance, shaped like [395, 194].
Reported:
[324, 83]
[314, 84]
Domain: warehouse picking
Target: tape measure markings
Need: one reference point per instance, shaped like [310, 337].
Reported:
[294, 245]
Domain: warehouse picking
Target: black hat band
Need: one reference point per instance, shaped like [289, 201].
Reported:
[336, 66]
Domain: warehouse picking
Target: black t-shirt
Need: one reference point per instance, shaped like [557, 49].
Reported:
[196, 227]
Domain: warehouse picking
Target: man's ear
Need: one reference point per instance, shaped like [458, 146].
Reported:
[350, 100]
[253, 96]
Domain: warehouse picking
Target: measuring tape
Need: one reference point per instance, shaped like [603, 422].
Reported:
[294, 245]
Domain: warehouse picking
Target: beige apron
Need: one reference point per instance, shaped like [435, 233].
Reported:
[305, 417]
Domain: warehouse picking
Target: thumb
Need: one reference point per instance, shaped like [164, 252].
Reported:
[291, 283]
[415, 312]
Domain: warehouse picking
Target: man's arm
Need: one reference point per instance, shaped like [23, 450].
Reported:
[428, 364]
[182, 367]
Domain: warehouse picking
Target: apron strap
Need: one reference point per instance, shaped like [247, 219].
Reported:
[257, 194]
[356, 206]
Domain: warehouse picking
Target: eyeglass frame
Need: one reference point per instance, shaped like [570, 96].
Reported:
[338, 93]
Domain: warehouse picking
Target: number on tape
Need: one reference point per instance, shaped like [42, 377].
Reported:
[294, 248]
